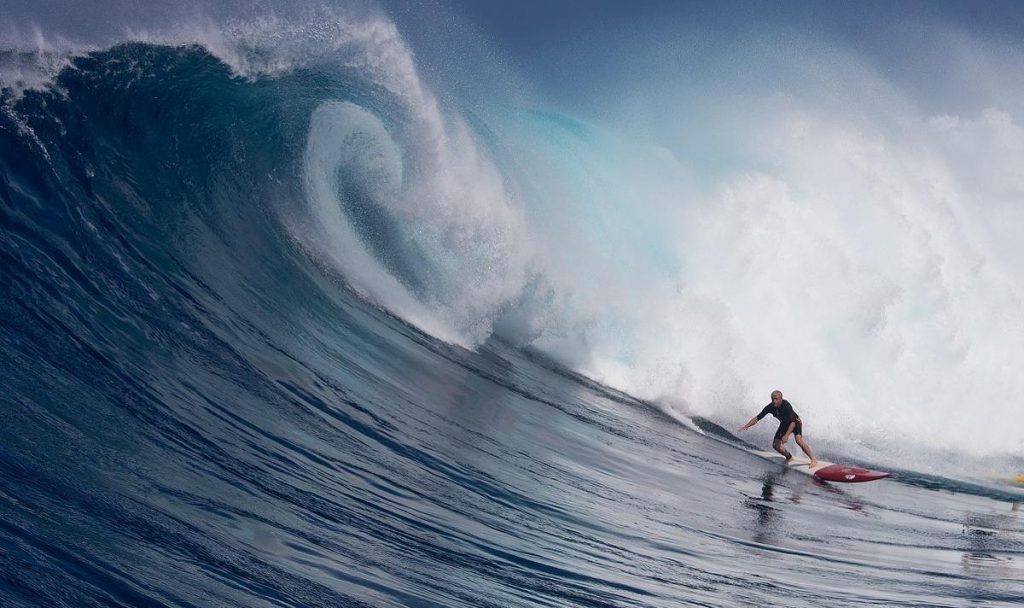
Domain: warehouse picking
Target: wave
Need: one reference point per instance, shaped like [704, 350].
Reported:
[853, 266]
[285, 322]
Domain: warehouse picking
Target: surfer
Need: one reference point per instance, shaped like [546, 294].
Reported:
[789, 423]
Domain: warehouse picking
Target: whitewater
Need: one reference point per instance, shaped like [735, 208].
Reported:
[326, 307]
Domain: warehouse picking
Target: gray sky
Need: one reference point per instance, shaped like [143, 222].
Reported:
[558, 46]
[522, 23]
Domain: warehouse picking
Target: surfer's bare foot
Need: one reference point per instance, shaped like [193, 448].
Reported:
[813, 464]
[789, 457]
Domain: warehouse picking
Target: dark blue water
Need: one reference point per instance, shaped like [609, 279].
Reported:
[197, 413]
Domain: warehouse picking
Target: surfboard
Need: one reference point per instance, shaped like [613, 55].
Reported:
[1011, 481]
[828, 471]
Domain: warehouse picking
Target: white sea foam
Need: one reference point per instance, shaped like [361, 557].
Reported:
[870, 274]
[431, 178]
[30, 59]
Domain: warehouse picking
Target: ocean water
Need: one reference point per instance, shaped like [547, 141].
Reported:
[282, 326]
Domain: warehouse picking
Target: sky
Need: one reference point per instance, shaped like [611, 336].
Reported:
[567, 43]
[520, 26]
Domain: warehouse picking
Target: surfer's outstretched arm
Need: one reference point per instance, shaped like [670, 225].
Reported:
[749, 424]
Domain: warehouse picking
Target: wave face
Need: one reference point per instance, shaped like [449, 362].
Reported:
[769, 235]
[284, 327]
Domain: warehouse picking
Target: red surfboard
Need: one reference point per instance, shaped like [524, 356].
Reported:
[846, 474]
[825, 470]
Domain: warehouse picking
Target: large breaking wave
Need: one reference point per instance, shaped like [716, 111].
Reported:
[858, 261]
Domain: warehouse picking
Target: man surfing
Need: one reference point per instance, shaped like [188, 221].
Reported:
[789, 423]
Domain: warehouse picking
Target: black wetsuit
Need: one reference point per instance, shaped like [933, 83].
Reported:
[785, 414]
